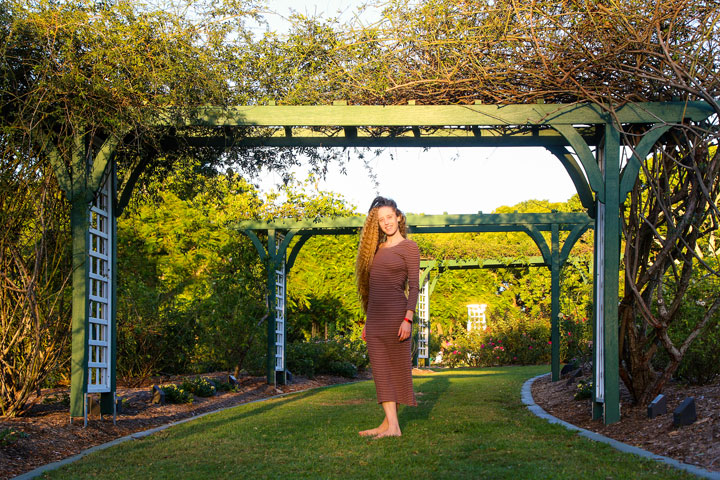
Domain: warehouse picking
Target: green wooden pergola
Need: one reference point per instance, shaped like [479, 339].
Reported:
[585, 138]
[280, 258]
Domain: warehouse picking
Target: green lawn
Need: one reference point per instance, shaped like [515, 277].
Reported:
[469, 423]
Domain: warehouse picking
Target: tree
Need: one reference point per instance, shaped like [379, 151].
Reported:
[445, 52]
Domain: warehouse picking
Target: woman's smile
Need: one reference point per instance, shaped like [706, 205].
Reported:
[388, 220]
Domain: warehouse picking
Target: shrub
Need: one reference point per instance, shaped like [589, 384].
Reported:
[584, 390]
[575, 338]
[344, 369]
[225, 387]
[9, 435]
[175, 394]
[200, 386]
[701, 363]
[520, 344]
[338, 356]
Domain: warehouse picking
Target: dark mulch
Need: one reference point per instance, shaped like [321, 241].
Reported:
[696, 444]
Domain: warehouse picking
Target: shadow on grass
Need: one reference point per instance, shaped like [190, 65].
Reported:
[429, 393]
[241, 412]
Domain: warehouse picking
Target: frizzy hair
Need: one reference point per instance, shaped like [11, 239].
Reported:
[370, 238]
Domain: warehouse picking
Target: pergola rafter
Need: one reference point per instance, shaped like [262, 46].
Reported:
[584, 137]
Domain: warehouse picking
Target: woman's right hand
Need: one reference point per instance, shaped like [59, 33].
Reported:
[363, 334]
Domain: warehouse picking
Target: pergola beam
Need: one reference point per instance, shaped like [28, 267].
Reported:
[430, 115]
[431, 223]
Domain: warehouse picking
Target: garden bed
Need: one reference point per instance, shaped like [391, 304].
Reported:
[696, 444]
[45, 435]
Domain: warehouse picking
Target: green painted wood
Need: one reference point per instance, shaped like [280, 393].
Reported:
[272, 299]
[477, 263]
[555, 304]
[571, 240]
[611, 159]
[433, 282]
[424, 115]
[102, 158]
[80, 311]
[61, 171]
[282, 248]
[256, 242]
[586, 157]
[426, 266]
[436, 138]
[343, 225]
[637, 159]
[539, 240]
[577, 176]
[295, 250]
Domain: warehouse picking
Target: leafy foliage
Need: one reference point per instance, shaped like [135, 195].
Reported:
[175, 394]
[199, 386]
[337, 356]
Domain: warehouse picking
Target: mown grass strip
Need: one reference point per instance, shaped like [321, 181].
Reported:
[470, 423]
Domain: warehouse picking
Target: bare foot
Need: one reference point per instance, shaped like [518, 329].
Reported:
[373, 431]
[389, 433]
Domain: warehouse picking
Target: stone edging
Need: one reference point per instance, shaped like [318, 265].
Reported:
[138, 435]
[528, 400]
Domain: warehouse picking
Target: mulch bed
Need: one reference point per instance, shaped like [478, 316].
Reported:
[696, 444]
[49, 435]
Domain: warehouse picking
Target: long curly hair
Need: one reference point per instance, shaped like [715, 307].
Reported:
[370, 238]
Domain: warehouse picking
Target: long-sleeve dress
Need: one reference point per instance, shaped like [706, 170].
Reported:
[391, 362]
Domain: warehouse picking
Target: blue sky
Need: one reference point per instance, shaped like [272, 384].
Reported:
[439, 180]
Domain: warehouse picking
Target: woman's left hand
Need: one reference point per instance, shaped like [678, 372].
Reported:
[405, 331]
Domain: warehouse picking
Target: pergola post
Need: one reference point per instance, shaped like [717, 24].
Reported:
[271, 379]
[555, 266]
[79, 223]
[609, 274]
[88, 180]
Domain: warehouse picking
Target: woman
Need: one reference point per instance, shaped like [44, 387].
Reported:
[386, 263]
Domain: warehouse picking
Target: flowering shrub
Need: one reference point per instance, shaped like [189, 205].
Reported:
[175, 394]
[575, 337]
[584, 390]
[200, 386]
[453, 356]
[521, 344]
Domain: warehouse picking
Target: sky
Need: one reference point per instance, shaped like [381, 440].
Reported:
[438, 180]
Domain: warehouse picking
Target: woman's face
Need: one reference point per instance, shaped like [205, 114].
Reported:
[388, 220]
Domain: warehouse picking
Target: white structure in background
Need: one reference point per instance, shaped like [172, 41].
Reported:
[280, 298]
[100, 298]
[476, 317]
[423, 311]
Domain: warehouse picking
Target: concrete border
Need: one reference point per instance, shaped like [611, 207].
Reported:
[138, 435]
[527, 399]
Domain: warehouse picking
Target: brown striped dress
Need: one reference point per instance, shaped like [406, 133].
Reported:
[391, 362]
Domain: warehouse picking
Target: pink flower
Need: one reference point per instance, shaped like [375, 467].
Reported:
[455, 352]
[549, 342]
[530, 347]
[569, 333]
[514, 358]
